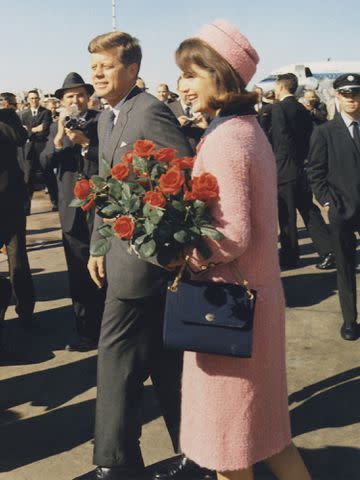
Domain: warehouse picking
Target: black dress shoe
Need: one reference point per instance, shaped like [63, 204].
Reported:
[181, 468]
[82, 344]
[117, 473]
[350, 332]
[327, 262]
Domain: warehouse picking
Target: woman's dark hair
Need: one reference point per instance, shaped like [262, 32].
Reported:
[231, 94]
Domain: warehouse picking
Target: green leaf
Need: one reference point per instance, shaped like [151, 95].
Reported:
[99, 182]
[146, 210]
[115, 188]
[105, 168]
[211, 232]
[106, 231]
[182, 236]
[149, 227]
[100, 247]
[157, 171]
[110, 211]
[137, 188]
[156, 215]
[126, 192]
[147, 249]
[178, 206]
[75, 202]
[195, 234]
[140, 239]
[134, 204]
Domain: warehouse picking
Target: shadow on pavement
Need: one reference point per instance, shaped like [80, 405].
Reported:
[53, 330]
[42, 230]
[309, 289]
[51, 286]
[32, 247]
[331, 403]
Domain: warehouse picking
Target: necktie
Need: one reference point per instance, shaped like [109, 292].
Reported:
[34, 113]
[109, 125]
[188, 111]
[356, 135]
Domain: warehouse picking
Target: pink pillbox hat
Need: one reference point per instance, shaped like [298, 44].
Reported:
[226, 39]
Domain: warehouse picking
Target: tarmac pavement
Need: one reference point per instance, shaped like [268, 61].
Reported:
[47, 400]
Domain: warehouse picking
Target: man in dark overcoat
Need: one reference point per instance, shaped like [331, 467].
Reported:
[334, 174]
[72, 149]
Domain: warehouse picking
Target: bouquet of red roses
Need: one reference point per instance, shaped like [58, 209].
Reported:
[156, 206]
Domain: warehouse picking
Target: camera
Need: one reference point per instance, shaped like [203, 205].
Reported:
[74, 123]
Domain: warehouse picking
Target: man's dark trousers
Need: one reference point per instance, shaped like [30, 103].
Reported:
[292, 196]
[344, 245]
[137, 340]
[87, 299]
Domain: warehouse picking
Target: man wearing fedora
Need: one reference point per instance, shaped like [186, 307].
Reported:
[73, 152]
[334, 174]
[130, 345]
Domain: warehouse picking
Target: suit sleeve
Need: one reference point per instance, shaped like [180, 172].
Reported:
[159, 124]
[317, 169]
[15, 132]
[232, 211]
[46, 124]
[278, 130]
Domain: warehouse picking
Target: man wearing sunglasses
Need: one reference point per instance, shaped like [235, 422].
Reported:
[334, 174]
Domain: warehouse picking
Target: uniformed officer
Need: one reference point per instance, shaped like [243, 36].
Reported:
[334, 174]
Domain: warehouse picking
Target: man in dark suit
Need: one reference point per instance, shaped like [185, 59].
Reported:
[74, 152]
[193, 126]
[291, 127]
[334, 174]
[37, 120]
[12, 214]
[130, 345]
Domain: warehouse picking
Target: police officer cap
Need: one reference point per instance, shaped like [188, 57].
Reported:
[348, 83]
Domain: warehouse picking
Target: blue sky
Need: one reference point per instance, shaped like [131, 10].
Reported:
[42, 41]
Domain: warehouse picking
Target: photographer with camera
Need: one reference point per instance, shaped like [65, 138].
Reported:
[72, 149]
[317, 109]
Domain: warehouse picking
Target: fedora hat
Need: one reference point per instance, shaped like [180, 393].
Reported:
[73, 80]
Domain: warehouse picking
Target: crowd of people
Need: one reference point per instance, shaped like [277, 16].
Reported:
[270, 152]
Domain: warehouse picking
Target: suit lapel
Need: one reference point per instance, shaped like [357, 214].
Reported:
[119, 127]
[340, 124]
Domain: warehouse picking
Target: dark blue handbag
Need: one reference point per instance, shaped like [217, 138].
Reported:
[209, 317]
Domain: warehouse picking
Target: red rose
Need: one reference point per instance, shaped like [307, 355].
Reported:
[155, 199]
[171, 181]
[144, 148]
[127, 158]
[90, 204]
[120, 171]
[124, 227]
[184, 162]
[205, 187]
[165, 154]
[82, 189]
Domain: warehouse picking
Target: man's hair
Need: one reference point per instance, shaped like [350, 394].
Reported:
[128, 47]
[32, 91]
[9, 97]
[289, 81]
[164, 85]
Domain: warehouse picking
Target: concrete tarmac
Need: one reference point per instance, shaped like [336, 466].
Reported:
[47, 398]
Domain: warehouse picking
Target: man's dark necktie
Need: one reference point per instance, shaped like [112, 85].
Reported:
[188, 111]
[356, 135]
[109, 125]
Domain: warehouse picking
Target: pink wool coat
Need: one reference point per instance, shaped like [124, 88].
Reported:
[234, 410]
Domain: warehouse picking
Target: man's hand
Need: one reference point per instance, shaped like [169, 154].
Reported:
[96, 267]
[78, 137]
[38, 129]
[184, 120]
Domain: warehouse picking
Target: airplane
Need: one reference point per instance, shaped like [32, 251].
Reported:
[311, 74]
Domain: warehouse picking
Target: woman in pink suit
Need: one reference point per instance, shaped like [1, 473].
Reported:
[235, 410]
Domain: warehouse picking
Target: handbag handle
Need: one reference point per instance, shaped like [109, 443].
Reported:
[235, 270]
